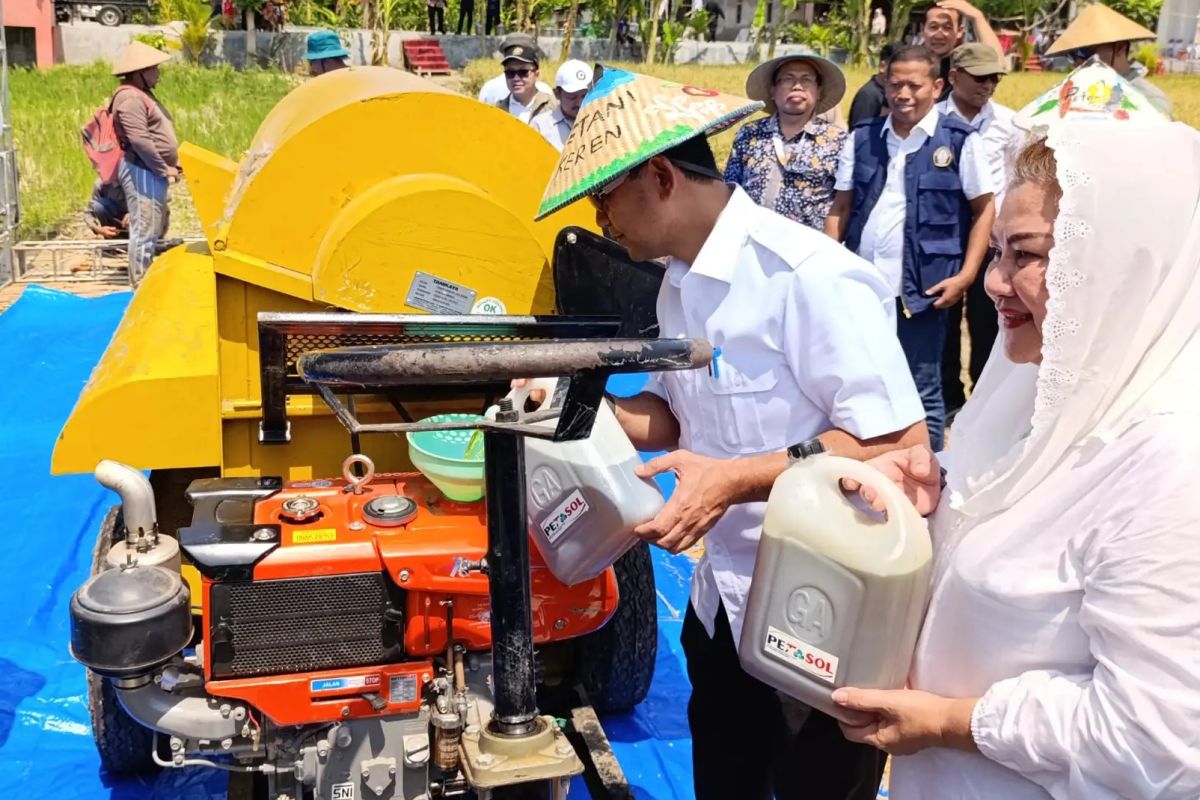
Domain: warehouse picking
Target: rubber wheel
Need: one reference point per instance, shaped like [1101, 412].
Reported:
[109, 16]
[616, 663]
[123, 743]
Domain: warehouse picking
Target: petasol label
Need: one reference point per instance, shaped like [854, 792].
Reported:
[567, 514]
[801, 655]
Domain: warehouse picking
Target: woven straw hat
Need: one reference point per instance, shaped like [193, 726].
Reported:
[1094, 92]
[833, 81]
[627, 119]
[1098, 24]
[138, 56]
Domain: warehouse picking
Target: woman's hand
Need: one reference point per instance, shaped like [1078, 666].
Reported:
[535, 395]
[908, 721]
[915, 471]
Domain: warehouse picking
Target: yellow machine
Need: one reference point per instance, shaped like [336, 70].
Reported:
[366, 190]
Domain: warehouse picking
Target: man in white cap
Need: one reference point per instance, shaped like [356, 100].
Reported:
[804, 359]
[1099, 31]
[571, 84]
[151, 152]
[787, 161]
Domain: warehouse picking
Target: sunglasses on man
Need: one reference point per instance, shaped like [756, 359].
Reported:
[517, 73]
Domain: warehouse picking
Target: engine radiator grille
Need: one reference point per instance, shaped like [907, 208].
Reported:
[288, 626]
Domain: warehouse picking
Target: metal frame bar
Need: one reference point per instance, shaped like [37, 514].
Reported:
[278, 379]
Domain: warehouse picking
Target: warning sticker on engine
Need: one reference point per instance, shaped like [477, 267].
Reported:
[800, 655]
[402, 689]
[343, 684]
[438, 295]
[343, 791]
[567, 514]
[314, 536]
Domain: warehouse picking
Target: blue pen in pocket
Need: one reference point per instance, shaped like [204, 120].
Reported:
[714, 366]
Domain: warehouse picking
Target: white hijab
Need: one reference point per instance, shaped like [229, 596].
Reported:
[1119, 339]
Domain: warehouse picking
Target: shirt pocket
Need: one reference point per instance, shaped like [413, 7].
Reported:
[739, 399]
[939, 198]
[941, 258]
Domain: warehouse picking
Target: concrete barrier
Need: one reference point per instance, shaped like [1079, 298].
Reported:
[86, 42]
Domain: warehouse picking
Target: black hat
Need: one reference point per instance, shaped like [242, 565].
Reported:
[519, 52]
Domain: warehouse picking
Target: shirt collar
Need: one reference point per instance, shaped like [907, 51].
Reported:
[950, 108]
[928, 124]
[812, 128]
[719, 256]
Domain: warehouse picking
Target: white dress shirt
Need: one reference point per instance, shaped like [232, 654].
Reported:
[1075, 616]
[805, 346]
[496, 89]
[1002, 140]
[553, 127]
[882, 240]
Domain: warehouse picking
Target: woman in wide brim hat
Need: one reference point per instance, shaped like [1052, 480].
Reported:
[137, 57]
[831, 78]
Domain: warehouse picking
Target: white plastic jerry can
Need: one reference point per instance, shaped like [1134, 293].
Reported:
[583, 499]
[838, 596]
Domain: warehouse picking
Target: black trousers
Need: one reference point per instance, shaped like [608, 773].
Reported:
[491, 18]
[466, 14]
[743, 745]
[437, 19]
[982, 328]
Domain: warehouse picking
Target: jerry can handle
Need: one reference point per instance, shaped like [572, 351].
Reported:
[893, 499]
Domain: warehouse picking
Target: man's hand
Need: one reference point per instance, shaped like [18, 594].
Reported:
[961, 6]
[106, 231]
[704, 489]
[173, 174]
[915, 471]
[951, 291]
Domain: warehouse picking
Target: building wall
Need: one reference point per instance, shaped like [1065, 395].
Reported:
[38, 15]
[1177, 21]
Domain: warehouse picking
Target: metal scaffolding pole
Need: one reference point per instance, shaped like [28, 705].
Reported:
[10, 208]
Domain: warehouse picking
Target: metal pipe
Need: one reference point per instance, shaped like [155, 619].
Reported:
[137, 496]
[515, 712]
[188, 714]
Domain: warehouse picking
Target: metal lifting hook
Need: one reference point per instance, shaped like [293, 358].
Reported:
[355, 485]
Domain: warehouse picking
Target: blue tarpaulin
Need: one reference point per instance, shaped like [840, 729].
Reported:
[49, 342]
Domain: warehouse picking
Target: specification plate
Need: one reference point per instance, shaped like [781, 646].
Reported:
[438, 295]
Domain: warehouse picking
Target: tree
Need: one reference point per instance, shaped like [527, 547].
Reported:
[569, 28]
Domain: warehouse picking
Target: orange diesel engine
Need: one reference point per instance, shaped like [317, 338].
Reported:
[326, 600]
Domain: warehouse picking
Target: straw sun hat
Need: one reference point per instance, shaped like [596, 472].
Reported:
[833, 81]
[138, 56]
[1096, 25]
[627, 119]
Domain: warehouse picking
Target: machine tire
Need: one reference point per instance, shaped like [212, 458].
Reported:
[123, 743]
[616, 663]
[110, 16]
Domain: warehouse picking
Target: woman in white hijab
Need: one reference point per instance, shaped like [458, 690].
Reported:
[1060, 655]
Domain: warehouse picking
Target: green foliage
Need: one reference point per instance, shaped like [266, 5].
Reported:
[1147, 55]
[196, 34]
[1144, 12]
[672, 34]
[156, 39]
[821, 37]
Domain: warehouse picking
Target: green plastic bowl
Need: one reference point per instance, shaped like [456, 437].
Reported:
[442, 457]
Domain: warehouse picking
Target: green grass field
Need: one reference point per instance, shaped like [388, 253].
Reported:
[220, 109]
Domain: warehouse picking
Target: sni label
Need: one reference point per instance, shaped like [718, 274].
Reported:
[563, 517]
[801, 655]
[343, 791]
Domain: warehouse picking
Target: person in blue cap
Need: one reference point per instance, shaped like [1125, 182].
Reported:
[325, 53]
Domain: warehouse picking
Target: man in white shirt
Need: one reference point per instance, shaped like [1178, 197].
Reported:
[975, 72]
[572, 82]
[523, 101]
[496, 89]
[914, 197]
[803, 351]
